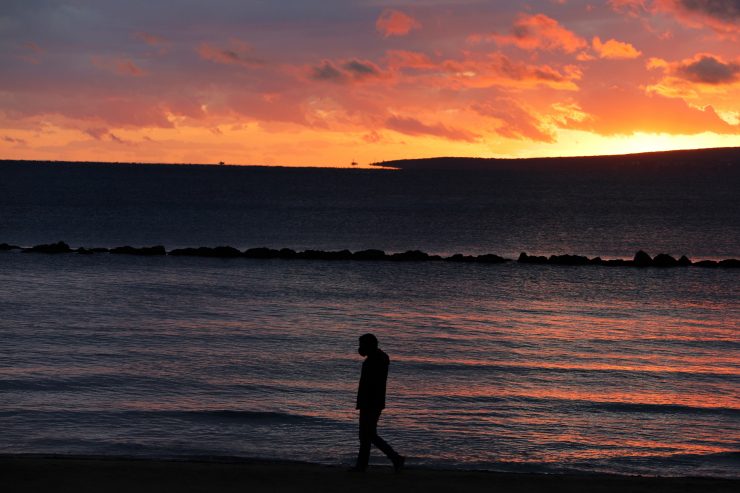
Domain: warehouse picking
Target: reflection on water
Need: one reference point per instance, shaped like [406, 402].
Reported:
[505, 367]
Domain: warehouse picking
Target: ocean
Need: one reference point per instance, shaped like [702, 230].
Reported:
[510, 367]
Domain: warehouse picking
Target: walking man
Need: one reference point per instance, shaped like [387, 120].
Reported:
[371, 402]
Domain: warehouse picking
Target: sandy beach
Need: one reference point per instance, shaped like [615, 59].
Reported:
[80, 474]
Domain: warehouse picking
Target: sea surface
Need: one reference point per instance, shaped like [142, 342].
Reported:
[508, 367]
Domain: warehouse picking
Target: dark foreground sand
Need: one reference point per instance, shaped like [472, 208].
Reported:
[79, 475]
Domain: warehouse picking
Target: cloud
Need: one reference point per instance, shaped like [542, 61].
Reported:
[412, 126]
[395, 23]
[515, 121]
[118, 66]
[236, 53]
[698, 80]
[361, 69]
[149, 39]
[327, 71]
[723, 16]
[161, 44]
[703, 68]
[13, 140]
[537, 32]
[614, 49]
[347, 71]
[409, 59]
[96, 133]
[612, 111]
[632, 7]
[707, 69]
[31, 52]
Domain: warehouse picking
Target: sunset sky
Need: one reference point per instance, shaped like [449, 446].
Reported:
[299, 82]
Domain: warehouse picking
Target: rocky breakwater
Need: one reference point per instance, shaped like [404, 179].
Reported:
[640, 260]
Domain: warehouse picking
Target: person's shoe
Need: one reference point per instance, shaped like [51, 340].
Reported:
[398, 463]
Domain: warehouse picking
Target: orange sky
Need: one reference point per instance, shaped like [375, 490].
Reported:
[291, 82]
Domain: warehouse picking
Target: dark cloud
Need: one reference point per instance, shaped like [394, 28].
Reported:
[96, 133]
[351, 70]
[13, 140]
[709, 70]
[237, 53]
[361, 69]
[328, 72]
[722, 10]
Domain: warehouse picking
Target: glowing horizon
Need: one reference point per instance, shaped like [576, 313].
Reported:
[366, 81]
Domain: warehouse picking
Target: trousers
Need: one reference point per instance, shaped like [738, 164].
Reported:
[369, 435]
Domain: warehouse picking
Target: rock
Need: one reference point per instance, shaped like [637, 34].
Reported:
[218, 252]
[59, 247]
[187, 252]
[531, 259]
[642, 259]
[261, 252]
[6, 247]
[568, 260]
[459, 257]
[322, 255]
[287, 253]
[369, 255]
[148, 251]
[226, 252]
[706, 263]
[410, 256]
[730, 263]
[684, 261]
[664, 260]
[490, 258]
[617, 263]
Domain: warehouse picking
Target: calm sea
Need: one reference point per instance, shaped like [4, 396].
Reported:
[503, 367]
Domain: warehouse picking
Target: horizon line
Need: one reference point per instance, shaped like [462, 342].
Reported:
[376, 165]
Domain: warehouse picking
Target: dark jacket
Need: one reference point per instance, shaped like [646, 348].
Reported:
[371, 391]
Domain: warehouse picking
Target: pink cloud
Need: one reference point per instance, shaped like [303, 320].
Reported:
[409, 59]
[614, 49]
[119, 66]
[412, 126]
[515, 121]
[149, 39]
[395, 23]
[538, 32]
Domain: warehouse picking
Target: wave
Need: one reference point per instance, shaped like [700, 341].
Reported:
[626, 407]
[272, 417]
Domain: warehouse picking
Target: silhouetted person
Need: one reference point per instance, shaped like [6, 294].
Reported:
[371, 402]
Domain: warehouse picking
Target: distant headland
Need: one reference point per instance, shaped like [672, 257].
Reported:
[718, 159]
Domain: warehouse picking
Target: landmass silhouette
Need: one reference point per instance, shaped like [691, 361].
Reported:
[640, 259]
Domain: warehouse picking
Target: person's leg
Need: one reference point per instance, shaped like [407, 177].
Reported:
[368, 423]
[385, 447]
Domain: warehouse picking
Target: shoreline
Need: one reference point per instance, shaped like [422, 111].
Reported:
[39, 473]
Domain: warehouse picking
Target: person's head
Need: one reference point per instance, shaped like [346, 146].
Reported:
[368, 344]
